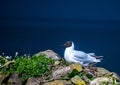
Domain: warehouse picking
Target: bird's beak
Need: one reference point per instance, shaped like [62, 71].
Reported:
[63, 45]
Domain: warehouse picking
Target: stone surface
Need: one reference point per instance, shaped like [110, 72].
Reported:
[58, 82]
[2, 77]
[62, 71]
[56, 63]
[77, 66]
[14, 80]
[101, 81]
[116, 76]
[49, 54]
[101, 71]
[78, 81]
[109, 78]
[33, 81]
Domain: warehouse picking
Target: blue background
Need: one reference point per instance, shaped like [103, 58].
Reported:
[29, 26]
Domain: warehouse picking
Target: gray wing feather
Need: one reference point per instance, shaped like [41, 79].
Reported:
[80, 54]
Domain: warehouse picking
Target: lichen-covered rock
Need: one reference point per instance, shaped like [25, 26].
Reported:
[78, 81]
[104, 80]
[56, 63]
[86, 79]
[115, 75]
[77, 66]
[49, 54]
[101, 71]
[62, 71]
[100, 81]
[2, 77]
[14, 80]
[58, 82]
[33, 81]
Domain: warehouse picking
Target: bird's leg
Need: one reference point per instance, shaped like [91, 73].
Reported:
[90, 69]
[92, 65]
[64, 62]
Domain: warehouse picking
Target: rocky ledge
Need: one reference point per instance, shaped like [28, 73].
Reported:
[47, 68]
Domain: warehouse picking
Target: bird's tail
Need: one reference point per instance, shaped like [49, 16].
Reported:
[97, 58]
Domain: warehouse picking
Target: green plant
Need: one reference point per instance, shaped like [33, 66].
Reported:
[34, 66]
[73, 73]
[4, 70]
[2, 60]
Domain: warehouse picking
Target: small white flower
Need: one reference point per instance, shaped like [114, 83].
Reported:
[8, 57]
[16, 54]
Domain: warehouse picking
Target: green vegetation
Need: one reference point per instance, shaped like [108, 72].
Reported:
[2, 60]
[73, 73]
[34, 66]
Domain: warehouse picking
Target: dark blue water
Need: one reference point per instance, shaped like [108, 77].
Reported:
[89, 38]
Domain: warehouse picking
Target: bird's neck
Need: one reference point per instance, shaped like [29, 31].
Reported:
[71, 47]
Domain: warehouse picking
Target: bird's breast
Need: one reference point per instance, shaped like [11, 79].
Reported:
[68, 55]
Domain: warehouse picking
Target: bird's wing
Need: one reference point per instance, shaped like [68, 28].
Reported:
[79, 54]
[81, 59]
[92, 54]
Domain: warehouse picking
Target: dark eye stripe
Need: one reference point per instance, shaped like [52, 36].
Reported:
[68, 43]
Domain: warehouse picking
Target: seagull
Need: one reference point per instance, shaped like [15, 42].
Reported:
[85, 59]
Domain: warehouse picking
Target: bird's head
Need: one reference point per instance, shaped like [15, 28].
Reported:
[68, 44]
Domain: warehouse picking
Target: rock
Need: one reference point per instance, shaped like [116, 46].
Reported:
[62, 71]
[116, 75]
[108, 79]
[101, 81]
[33, 81]
[78, 81]
[3, 77]
[56, 63]
[58, 82]
[101, 71]
[86, 79]
[49, 54]
[77, 66]
[14, 80]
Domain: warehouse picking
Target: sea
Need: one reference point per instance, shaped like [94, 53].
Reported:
[30, 37]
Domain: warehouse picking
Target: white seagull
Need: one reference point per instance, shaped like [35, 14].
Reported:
[85, 59]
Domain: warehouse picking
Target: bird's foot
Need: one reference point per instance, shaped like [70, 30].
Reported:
[90, 69]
